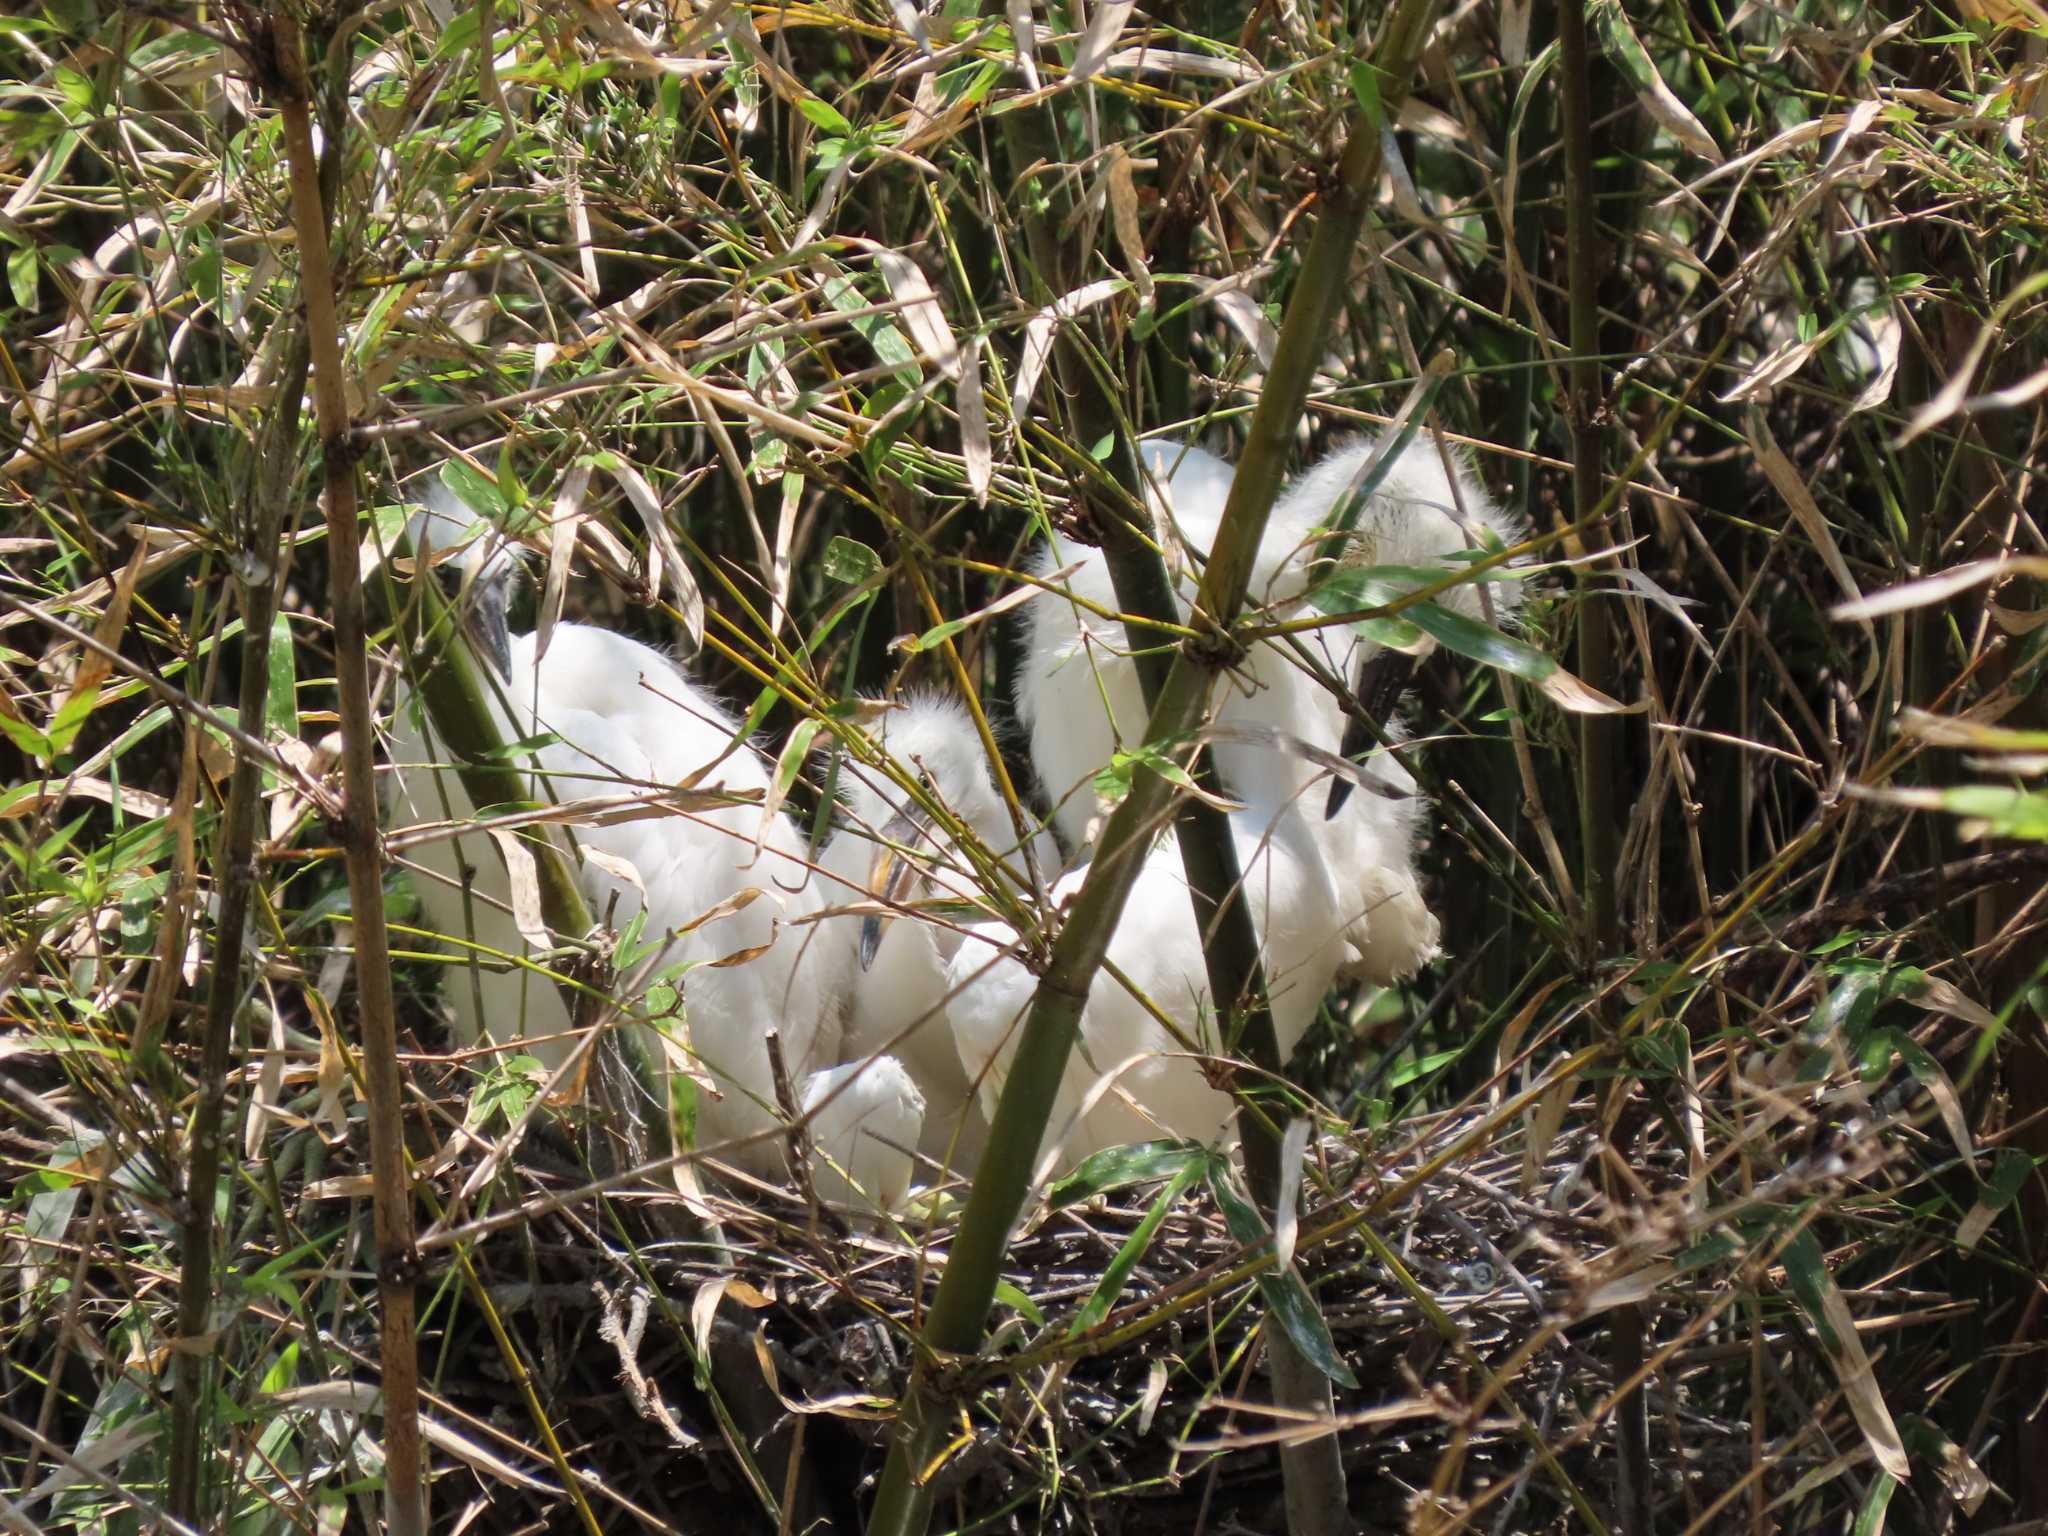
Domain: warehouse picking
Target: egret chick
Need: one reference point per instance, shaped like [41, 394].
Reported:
[1078, 690]
[617, 719]
[1129, 1078]
[892, 848]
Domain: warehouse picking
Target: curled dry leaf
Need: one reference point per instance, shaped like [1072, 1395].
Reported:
[1626, 1290]
[1939, 588]
[524, 876]
[1950, 399]
[976, 451]
[664, 556]
[921, 313]
[1658, 99]
[1122, 193]
[1287, 1203]
[563, 523]
[1835, 1331]
[1104, 27]
[1038, 336]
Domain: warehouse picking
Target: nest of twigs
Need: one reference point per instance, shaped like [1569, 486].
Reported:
[683, 1378]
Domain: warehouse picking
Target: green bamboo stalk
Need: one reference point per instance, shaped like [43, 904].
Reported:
[397, 1260]
[1312, 1470]
[960, 1310]
[1599, 735]
[234, 862]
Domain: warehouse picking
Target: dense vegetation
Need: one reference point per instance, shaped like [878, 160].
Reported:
[1694, 1189]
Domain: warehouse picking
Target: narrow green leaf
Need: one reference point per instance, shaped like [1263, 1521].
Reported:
[71, 717]
[1011, 1297]
[792, 758]
[1994, 812]
[474, 489]
[1117, 1273]
[1870, 1518]
[1287, 1299]
[281, 705]
[1402, 1076]
[937, 635]
[1365, 90]
[881, 333]
[21, 276]
[1808, 1271]
[1117, 1168]
[824, 115]
[27, 738]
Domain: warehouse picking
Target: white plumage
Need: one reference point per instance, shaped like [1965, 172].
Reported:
[864, 1119]
[628, 721]
[1129, 1078]
[1078, 691]
[622, 719]
[890, 848]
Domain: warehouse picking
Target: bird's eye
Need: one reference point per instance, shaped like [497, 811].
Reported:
[924, 781]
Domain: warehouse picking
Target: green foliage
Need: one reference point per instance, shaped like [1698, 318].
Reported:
[1792, 1086]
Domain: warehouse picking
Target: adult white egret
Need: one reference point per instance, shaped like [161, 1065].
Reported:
[894, 847]
[1078, 690]
[726, 891]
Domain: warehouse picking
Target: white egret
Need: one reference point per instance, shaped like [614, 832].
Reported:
[1130, 1076]
[726, 891]
[1078, 690]
[892, 848]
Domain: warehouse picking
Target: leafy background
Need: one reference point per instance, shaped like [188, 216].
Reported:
[1738, 1039]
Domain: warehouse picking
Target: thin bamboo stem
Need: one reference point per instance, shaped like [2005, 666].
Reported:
[235, 861]
[397, 1261]
[1599, 735]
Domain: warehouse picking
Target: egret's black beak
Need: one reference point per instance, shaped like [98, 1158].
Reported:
[891, 876]
[489, 631]
[1381, 682]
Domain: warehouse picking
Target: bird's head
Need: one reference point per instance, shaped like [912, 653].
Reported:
[477, 565]
[937, 777]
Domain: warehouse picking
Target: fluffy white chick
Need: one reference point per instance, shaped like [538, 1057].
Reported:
[622, 719]
[893, 848]
[1079, 696]
[1129, 1078]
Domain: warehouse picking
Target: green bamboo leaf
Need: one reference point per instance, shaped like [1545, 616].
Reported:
[1402, 1076]
[21, 275]
[1990, 811]
[1835, 1330]
[27, 738]
[1365, 90]
[1658, 99]
[849, 560]
[1287, 1299]
[472, 487]
[71, 717]
[1117, 1273]
[2010, 1170]
[1015, 1299]
[881, 333]
[937, 635]
[1870, 1518]
[826, 116]
[1930, 1446]
[1380, 586]
[1117, 1168]
[281, 703]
